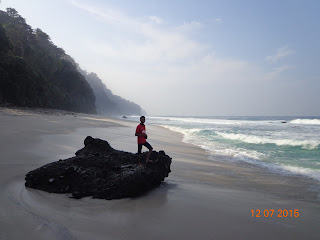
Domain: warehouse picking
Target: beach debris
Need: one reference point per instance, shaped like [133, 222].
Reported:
[100, 171]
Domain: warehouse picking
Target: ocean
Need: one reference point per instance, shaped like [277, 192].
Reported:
[286, 145]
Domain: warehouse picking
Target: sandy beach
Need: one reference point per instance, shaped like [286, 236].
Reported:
[201, 199]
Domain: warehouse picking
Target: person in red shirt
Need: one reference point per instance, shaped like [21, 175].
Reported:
[142, 136]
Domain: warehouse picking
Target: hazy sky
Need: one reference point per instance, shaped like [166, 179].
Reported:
[183, 57]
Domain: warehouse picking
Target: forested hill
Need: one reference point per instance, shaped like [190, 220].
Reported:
[106, 101]
[36, 73]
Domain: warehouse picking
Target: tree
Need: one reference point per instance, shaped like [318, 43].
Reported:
[12, 13]
[19, 32]
[36, 73]
[5, 44]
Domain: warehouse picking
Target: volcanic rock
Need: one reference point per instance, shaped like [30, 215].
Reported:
[100, 171]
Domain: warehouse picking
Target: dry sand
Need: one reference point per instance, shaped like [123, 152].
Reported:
[202, 198]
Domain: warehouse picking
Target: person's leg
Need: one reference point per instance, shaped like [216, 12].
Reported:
[150, 151]
[139, 153]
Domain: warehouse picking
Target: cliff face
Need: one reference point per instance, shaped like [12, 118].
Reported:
[36, 73]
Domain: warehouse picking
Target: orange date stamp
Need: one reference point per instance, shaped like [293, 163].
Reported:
[280, 213]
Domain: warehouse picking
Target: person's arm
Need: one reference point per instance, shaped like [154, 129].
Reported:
[140, 134]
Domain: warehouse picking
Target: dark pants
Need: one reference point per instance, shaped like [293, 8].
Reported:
[146, 144]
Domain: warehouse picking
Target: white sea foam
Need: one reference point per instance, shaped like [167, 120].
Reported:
[215, 121]
[306, 121]
[309, 144]
[250, 156]
[184, 131]
[214, 147]
[239, 153]
[314, 173]
[204, 121]
[188, 134]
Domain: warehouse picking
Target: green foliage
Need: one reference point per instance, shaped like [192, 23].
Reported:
[5, 44]
[36, 73]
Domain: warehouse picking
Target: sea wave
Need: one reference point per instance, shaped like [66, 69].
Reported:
[306, 121]
[184, 131]
[215, 121]
[195, 137]
[202, 120]
[308, 144]
[314, 173]
[190, 136]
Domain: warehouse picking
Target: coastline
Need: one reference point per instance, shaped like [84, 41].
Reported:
[241, 175]
[202, 198]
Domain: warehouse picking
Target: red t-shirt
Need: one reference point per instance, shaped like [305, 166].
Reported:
[141, 129]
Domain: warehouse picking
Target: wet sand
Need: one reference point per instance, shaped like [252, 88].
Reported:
[203, 198]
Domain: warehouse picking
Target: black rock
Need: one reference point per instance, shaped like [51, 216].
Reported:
[100, 171]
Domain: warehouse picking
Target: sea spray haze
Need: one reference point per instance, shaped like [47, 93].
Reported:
[287, 145]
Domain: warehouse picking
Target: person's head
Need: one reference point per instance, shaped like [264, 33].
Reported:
[142, 119]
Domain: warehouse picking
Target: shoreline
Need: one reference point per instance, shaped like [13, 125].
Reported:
[259, 173]
[250, 176]
[204, 168]
[203, 157]
[216, 195]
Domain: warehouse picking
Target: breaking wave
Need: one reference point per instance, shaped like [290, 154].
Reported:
[194, 136]
[306, 121]
[309, 144]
